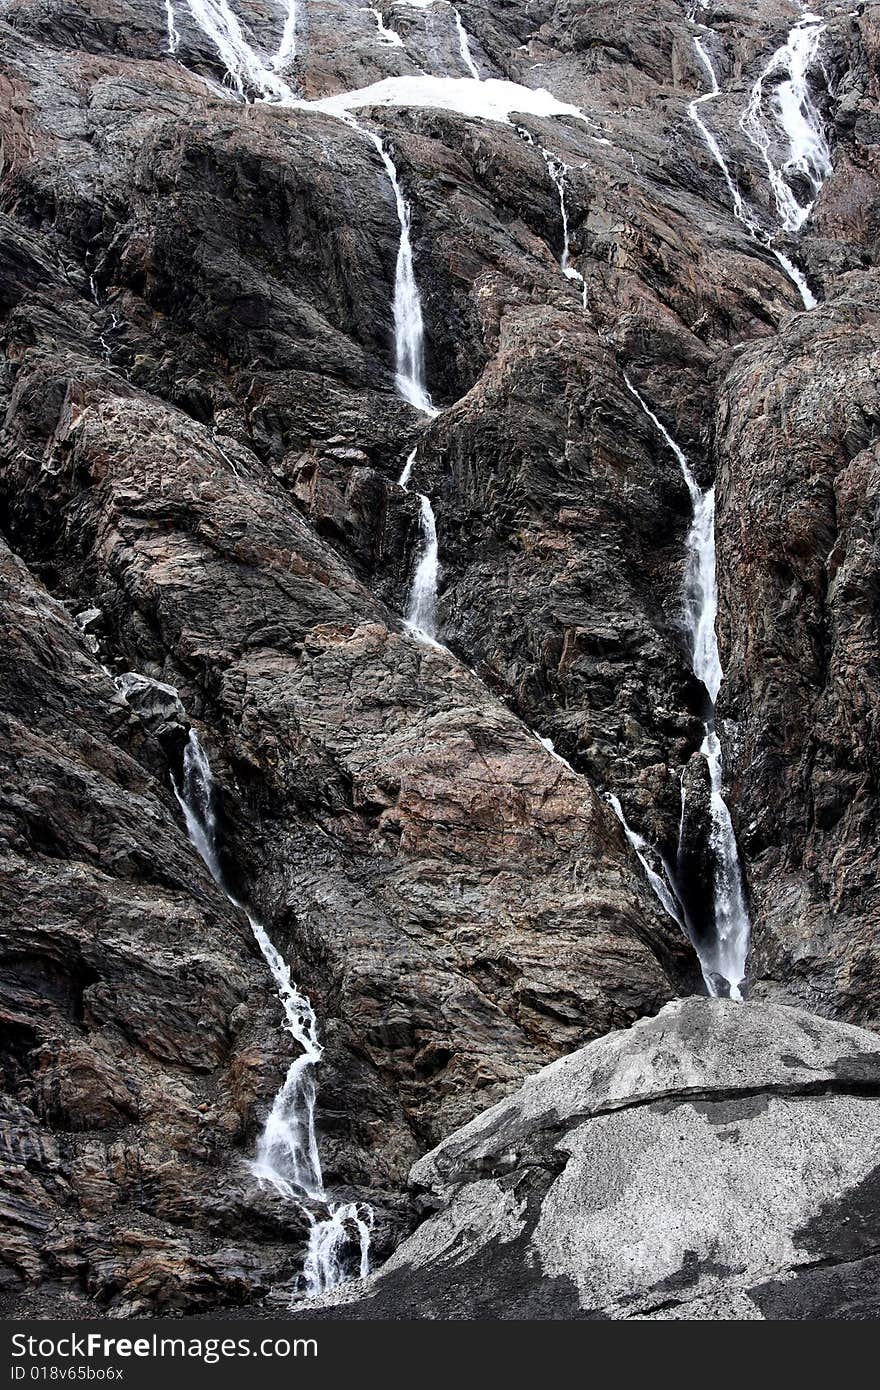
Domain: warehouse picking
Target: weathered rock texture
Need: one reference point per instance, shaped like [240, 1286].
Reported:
[718, 1161]
[199, 451]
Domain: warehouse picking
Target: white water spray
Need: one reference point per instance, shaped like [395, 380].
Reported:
[287, 1151]
[740, 210]
[464, 46]
[328, 1240]
[421, 613]
[389, 36]
[247, 70]
[793, 110]
[662, 889]
[723, 960]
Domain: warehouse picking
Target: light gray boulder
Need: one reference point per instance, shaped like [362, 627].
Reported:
[717, 1161]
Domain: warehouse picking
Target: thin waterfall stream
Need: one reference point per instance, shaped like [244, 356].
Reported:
[246, 67]
[723, 958]
[287, 1155]
[558, 169]
[421, 612]
[464, 45]
[409, 328]
[808, 157]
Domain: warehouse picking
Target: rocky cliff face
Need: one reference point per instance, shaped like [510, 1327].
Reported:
[199, 460]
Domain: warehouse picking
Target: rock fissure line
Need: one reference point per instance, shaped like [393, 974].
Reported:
[681, 1096]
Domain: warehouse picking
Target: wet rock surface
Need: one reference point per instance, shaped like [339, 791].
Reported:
[198, 462]
[717, 1161]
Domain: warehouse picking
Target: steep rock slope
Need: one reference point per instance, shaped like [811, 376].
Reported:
[800, 551]
[140, 1033]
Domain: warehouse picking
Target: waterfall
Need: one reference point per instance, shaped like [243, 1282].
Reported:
[245, 67]
[328, 1240]
[173, 35]
[421, 612]
[409, 328]
[723, 960]
[195, 795]
[403, 480]
[287, 1150]
[740, 210]
[557, 171]
[286, 51]
[389, 36]
[550, 747]
[662, 889]
[808, 158]
[421, 616]
[464, 46]
[464, 42]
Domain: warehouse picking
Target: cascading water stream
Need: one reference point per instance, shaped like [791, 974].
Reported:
[173, 35]
[714, 148]
[246, 69]
[464, 45]
[723, 959]
[462, 36]
[557, 171]
[809, 157]
[809, 154]
[409, 328]
[662, 888]
[421, 612]
[287, 1150]
[286, 51]
[388, 35]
